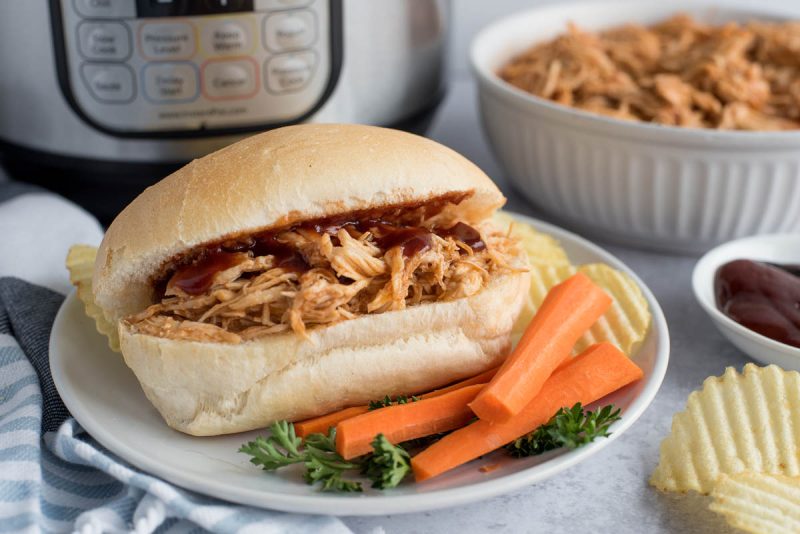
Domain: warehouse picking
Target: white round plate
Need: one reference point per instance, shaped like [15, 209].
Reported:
[775, 248]
[105, 398]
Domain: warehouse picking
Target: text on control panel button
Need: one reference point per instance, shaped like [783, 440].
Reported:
[224, 79]
[289, 72]
[289, 29]
[105, 8]
[108, 82]
[170, 82]
[104, 40]
[226, 37]
[167, 40]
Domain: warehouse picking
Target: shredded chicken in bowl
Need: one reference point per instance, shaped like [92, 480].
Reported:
[679, 72]
[323, 276]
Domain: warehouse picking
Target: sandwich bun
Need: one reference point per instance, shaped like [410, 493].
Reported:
[274, 180]
[206, 389]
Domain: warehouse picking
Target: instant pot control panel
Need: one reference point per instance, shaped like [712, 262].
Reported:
[196, 67]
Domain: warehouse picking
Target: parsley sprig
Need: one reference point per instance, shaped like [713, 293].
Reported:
[387, 466]
[325, 465]
[282, 448]
[569, 427]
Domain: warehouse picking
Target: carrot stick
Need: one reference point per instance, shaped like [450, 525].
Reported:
[482, 378]
[569, 309]
[403, 422]
[599, 370]
[323, 423]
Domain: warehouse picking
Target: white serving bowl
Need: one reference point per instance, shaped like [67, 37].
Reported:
[663, 187]
[774, 248]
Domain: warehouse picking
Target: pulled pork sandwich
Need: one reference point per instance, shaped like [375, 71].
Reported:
[308, 269]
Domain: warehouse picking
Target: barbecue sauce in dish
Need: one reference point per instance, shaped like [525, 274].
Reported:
[761, 297]
[789, 268]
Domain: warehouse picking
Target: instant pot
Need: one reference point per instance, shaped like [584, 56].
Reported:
[99, 98]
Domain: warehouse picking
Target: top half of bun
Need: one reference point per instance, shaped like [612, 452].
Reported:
[271, 180]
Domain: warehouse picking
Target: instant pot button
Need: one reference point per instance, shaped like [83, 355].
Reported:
[170, 82]
[289, 29]
[230, 79]
[105, 8]
[289, 72]
[271, 5]
[167, 40]
[109, 83]
[220, 6]
[104, 40]
[226, 37]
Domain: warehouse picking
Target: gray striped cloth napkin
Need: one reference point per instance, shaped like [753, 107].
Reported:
[53, 476]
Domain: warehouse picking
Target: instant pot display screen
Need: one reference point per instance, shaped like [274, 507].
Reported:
[144, 67]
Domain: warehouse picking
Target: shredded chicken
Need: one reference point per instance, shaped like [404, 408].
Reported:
[678, 72]
[356, 259]
[349, 275]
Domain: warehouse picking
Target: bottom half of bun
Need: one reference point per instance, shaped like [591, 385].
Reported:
[206, 389]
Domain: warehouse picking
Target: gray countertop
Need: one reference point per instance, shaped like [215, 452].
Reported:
[608, 492]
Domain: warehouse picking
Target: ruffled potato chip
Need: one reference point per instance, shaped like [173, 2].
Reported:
[80, 263]
[542, 249]
[759, 503]
[737, 422]
[625, 324]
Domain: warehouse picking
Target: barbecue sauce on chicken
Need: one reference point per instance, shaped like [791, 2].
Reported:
[466, 234]
[195, 279]
[412, 240]
[285, 256]
[195, 276]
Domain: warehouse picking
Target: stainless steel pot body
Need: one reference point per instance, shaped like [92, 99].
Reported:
[94, 80]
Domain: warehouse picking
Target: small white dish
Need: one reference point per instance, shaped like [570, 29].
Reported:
[774, 248]
[105, 398]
